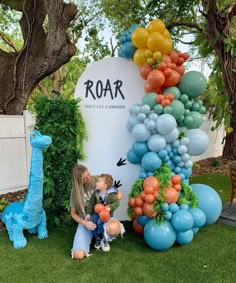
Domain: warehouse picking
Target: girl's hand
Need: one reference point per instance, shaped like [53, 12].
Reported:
[87, 217]
[89, 225]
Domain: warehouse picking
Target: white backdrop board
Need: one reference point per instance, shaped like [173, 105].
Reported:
[108, 88]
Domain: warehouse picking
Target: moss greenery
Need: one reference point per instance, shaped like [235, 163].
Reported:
[61, 119]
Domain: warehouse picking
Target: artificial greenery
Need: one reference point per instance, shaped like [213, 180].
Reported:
[61, 119]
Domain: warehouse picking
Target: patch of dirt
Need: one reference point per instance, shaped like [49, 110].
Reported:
[214, 165]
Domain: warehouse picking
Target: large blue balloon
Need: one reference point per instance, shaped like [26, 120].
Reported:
[208, 201]
[151, 161]
[198, 142]
[182, 220]
[140, 133]
[159, 236]
[132, 157]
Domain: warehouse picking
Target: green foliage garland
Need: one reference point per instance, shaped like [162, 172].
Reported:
[61, 119]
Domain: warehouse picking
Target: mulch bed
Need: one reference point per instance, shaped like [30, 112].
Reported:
[214, 165]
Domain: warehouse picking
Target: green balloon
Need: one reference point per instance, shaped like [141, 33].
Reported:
[188, 120]
[188, 104]
[195, 106]
[167, 110]
[186, 112]
[174, 90]
[197, 120]
[177, 109]
[202, 110]
[150, 99]
[158, 109]
[192, 83]
[183, 98]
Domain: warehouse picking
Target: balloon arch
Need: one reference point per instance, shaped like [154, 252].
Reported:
[164, 208]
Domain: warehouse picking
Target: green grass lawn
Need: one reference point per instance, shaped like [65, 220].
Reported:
[210, 257]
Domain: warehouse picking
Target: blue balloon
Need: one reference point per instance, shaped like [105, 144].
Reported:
[198, 142]
[127, 50]
[140, 148]
[182, 220]
[168, 215]
[184, 238]
[151, 161]
[163, 154]
[132, 157]
[142, 219]
[159, 236]
[166, 123]
[199, 217]
[140, 133]
[208, 201]
[156, 142]
[173, 207]
[172, 136]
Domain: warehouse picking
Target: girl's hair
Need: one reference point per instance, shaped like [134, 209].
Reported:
[108, 179]
[78, 187]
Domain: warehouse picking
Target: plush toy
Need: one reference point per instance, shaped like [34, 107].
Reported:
[29, 214]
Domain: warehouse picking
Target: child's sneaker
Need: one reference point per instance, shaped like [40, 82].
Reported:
[98, 243]
[105, 246]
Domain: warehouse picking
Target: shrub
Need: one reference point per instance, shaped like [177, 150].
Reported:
[61, 119]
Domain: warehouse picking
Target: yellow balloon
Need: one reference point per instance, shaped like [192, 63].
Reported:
[166, 33]
[155, 41]
[148, 53]
[139, 37]
[156, 25]
[166, 46]
[157, 55]
[139, 57]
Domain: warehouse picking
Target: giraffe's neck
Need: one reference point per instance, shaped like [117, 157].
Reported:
[34, 199]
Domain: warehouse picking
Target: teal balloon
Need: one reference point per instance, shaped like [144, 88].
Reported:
[159, 236]
[197, 120]
[177, 109]
[183, 238]
[192, 83]
[174, 90]
[202, 110]
[158, 109]
[208, 201]
[167, 110]
[183, 98]
[150, 99]
[188, 120]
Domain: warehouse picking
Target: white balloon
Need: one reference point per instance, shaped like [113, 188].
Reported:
[172, 136]
[198, 142]
[156, 142]
[166, 123]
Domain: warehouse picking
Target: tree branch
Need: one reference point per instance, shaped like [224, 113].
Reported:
[186, 24]
[7, 41]
[15, 5]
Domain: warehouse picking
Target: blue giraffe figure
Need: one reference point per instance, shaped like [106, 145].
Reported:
[29, 214]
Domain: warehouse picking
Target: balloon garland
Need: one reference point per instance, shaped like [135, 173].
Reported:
[165, 127]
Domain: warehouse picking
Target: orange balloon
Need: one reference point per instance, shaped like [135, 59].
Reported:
[139, 37]
[155, 41]
[180, 69]
[156, 78]
[148, 88]
[152, 181]
[137, 227]
[104, 215]
[170, 195]
[145, 70]
[156, 25]
[173, 79]
[98, 207]
[148, 210]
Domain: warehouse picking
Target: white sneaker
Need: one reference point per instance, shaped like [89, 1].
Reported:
[105, 246]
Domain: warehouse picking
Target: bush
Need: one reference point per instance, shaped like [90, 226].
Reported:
[60, 119]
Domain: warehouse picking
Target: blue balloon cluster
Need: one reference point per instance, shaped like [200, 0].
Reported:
[182, 222]
[127, 48]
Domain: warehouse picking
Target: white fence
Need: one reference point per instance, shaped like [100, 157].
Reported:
[15, 149]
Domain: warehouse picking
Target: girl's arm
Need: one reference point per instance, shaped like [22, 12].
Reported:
[88, 224]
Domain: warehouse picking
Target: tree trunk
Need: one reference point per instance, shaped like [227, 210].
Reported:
[45, 50]
[218, 27]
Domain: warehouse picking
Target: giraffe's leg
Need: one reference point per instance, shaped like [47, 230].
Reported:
[9, 229]
[33, 230]
[42, 227]
[19, 241]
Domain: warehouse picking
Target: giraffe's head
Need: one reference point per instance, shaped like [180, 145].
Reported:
[39, 140]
